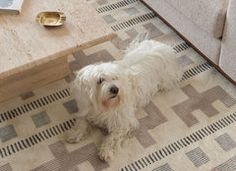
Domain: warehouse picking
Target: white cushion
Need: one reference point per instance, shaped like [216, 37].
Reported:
[228, 50]
[208, 45]
[209, 15]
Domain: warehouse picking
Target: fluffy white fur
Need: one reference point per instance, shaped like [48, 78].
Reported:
[147, 67]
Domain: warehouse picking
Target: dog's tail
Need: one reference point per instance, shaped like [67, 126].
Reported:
[136, 41]
[142, 50]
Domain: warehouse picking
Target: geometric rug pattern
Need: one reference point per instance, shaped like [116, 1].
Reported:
[187, 128]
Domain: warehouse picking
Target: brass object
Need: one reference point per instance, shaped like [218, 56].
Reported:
[51, 18]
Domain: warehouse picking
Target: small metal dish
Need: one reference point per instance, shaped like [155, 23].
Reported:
[51, 18]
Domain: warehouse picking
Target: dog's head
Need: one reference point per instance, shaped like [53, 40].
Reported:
[102, 86]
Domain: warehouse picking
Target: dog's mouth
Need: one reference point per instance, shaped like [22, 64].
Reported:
[113, 96]
[112, 101]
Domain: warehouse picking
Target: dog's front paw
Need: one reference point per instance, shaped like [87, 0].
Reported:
[106, 155]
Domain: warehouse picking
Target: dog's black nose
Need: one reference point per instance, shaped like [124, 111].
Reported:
[114, 90]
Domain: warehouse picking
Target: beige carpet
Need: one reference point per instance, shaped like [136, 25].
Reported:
[186, 129]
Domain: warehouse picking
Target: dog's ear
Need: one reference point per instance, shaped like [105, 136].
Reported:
[81, 97]
[92, 93]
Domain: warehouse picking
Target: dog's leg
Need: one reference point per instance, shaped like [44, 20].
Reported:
[111, 144]
[79, 131]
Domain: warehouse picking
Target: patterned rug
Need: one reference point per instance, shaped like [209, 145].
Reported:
[190, 128]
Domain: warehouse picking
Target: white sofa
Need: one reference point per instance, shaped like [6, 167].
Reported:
[209, 25]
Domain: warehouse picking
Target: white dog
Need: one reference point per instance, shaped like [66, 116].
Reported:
[108, 94]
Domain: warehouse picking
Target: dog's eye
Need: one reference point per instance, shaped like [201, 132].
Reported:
[100, 80]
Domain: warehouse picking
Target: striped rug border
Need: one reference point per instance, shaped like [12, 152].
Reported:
[36, 138]
[115, 5]
[133, 21]
[35, 104]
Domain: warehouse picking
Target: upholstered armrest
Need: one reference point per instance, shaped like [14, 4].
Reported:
[228, 50]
